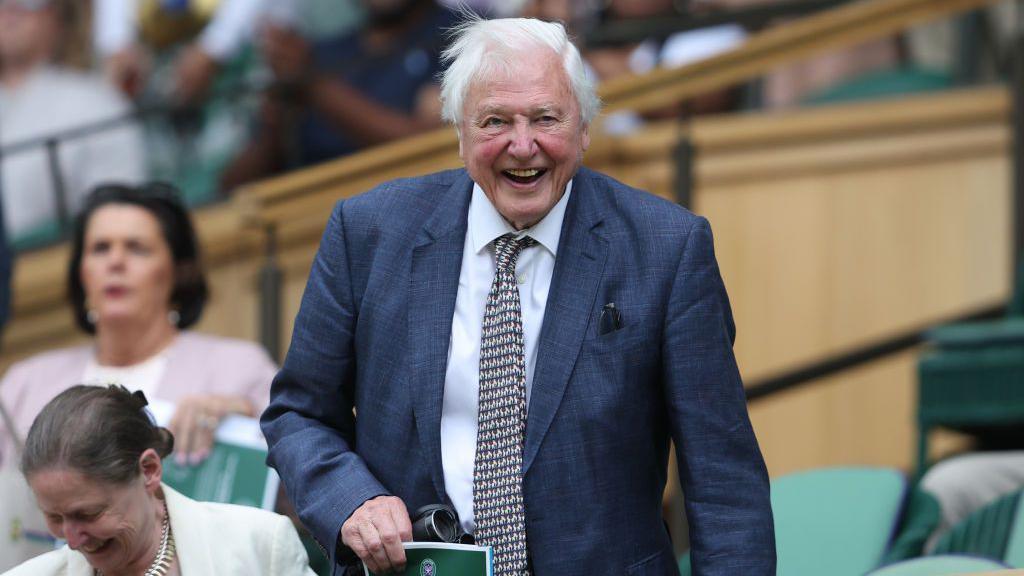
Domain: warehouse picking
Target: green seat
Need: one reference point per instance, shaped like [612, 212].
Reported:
[972, 378]
[995, 532]
[939, 566]
[921, 515]
[977, 335]
[885, 83]
[835, 521]
[44, 234]
[318, 561]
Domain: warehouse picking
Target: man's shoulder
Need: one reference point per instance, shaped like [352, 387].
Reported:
[437, 182]
[634, 204]
[403, 200]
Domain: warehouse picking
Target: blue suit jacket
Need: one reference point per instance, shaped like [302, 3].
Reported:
[371, 339]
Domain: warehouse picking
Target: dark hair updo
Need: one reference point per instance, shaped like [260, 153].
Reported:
[163, 202]
[98, 431]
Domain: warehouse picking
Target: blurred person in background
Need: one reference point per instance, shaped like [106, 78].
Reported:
[335, 96]
[193, 64]
[640, 56]
[93, 459]
[136, 285]
[817, 78]
[216, 32]
[209, 34]
[40, 97]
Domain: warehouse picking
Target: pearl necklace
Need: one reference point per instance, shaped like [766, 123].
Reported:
[165, 555]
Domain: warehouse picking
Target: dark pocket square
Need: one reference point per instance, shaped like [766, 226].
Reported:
[611, 319]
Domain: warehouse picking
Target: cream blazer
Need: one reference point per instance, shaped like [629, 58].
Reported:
[222, 539]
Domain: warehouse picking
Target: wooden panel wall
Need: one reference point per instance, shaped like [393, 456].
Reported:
[833, 240]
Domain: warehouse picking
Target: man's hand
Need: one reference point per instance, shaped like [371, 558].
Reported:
[375, 532]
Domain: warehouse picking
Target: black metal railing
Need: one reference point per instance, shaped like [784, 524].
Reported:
[52, 143]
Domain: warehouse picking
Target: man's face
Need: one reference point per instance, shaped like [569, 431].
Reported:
[521, 137]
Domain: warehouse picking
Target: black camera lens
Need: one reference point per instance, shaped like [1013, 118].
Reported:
[435, 524]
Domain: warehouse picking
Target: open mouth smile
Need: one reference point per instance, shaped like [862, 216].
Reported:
[94, 548]
[524, 175]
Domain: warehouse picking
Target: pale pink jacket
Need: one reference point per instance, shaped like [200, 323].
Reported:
[196, 364]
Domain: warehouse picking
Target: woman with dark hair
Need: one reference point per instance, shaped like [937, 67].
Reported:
[136, 284]
[93, 458]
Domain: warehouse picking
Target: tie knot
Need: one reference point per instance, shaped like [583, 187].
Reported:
[507, 249]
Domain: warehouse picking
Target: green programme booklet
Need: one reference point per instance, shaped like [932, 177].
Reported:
[441, 559]
[235, 471]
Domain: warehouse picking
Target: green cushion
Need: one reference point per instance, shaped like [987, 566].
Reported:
[835, 521]
[684, 565]
[984, 533]
[1014, 554]
[939, 566]
[920, 517]
[44, 234]
[884, 83]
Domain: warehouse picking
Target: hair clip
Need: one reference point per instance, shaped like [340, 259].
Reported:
[141, 396]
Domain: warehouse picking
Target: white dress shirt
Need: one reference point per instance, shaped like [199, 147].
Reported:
[462, 378]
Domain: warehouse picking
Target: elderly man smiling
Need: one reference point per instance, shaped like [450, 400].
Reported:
[519, 340]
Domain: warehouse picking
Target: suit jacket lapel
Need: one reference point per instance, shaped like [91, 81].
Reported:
[578, 268]
[433, 285]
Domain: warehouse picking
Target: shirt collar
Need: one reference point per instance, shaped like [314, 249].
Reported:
[486, 224]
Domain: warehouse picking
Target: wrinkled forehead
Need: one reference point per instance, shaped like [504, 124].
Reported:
[63, 489]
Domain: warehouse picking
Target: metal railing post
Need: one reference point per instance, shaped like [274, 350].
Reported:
[60, 198]
[969, 31]
[1017, 115]
[683, 157]
[271, 277]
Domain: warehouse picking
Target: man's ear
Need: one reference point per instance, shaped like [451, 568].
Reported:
[458, 132]
[585, 137]
[152, 469]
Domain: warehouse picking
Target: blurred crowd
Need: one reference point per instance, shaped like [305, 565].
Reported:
[212, 94]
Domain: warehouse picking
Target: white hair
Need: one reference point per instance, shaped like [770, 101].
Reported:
[481, 47]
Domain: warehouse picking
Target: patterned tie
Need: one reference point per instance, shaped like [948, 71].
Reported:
[497, 472]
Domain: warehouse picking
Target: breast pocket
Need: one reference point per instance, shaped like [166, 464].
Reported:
[631, 342]
[614, 369]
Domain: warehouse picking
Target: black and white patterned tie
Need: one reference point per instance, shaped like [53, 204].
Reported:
[497, 471]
